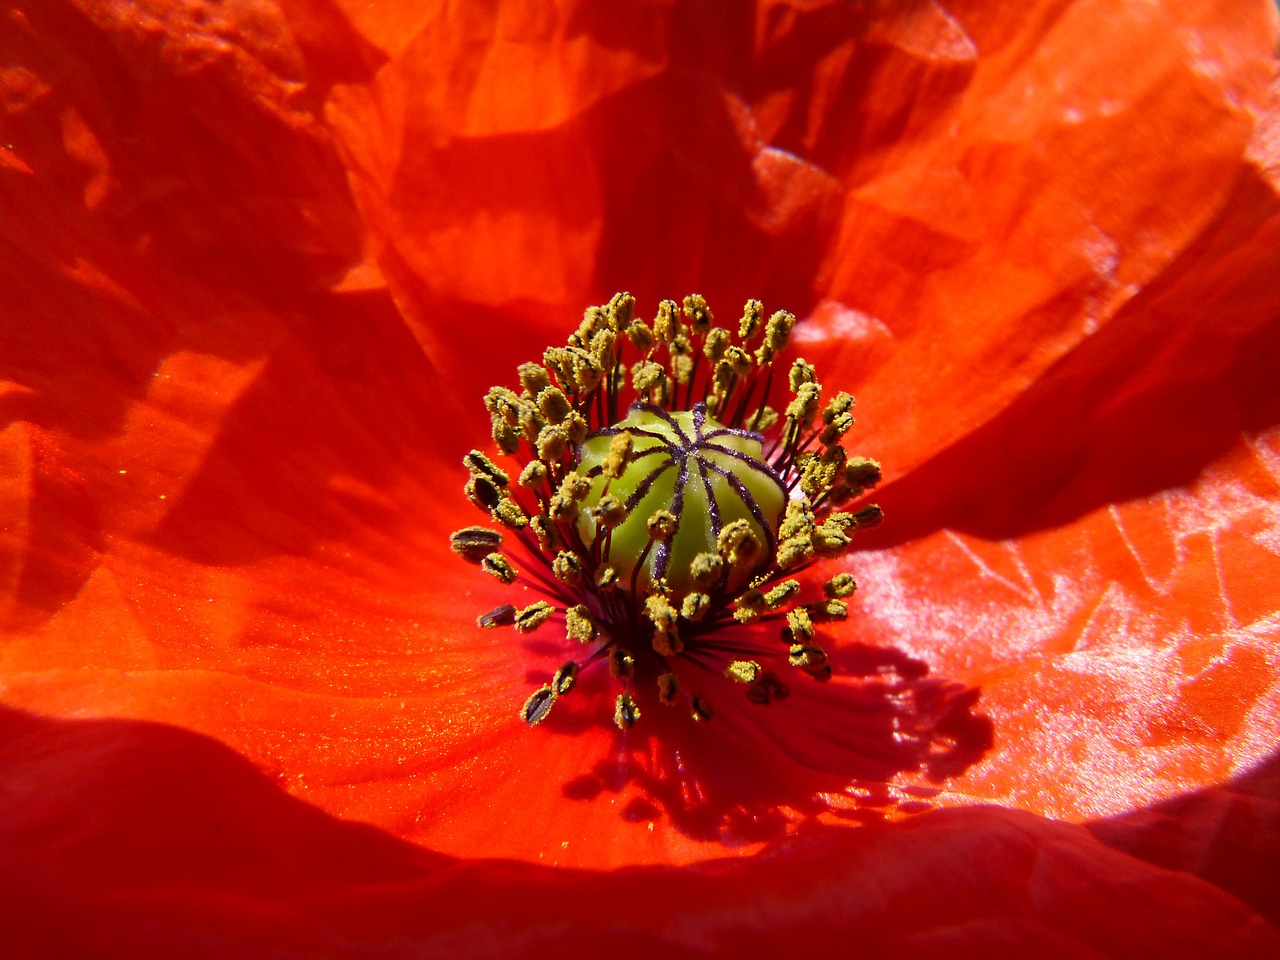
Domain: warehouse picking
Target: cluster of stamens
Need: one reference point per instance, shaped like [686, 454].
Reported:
[664, 532]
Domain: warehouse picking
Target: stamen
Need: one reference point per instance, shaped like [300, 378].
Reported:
[625, 712]
[567, 568]
[473, 544]
[668, 688]
[743, 671]
[502, 616]
[622, 666]
[538, 705]
[565, 678]
[579, 624]
[662, 504]
[496, 565]
[533, 616]
[841, 585]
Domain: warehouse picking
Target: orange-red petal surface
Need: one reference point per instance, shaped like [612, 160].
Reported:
[259, 260]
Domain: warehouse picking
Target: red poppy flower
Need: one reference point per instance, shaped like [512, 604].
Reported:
[261, 261]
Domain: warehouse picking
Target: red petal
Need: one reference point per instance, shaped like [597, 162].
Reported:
[150, 841]
[223, 502]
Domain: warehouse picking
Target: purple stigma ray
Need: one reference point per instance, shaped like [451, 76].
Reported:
[741, 490]
[713, 508]
[666, 417]
[663, 557]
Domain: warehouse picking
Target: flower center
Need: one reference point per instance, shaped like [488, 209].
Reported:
[706, 475]
[663, 539]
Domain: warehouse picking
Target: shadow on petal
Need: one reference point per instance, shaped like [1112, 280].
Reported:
[1227, 834]
[126, 839]
[864, 747]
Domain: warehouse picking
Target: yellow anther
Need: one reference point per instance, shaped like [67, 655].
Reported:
[603, 349]
[717, 342]
[806, 655]
[836, 429]
[538, 705]
[554, 405]
[531, 420]
[750, 322]
[504, 404]
[619, 453]
[480, 465]
[781, 593]
[567, 568]
[548, 537]
[576, 427]
[800, 626]
[802, 372]
[499, 567]
[473, 544]
[682, 368]
[829, 610]
[738, 543]
[625, 712]
[830, 539]
[668, 688]
[647, 376]
[860, 474]
[533, 616]
[565, 678]
[660, 612]
[794, 551]
[607, 577]
[748, 605]
[621, 311]
[706, 569]
[667, 323]
[482, 491]
[641, 336]
[609, 512]
[804, 408]
[506, 437]
[510, 515]
[622, 666]
[694, 606]
[818, 473]
[533, 475]
[661, 525]
[743, 671]
[700, 709]
[841, 585]
[533, 377]
[551, 443]
[574, 487]
[503, 616]
[561, 509]
[579, 624]
[698, 313]
[798, 521]
[777, 331]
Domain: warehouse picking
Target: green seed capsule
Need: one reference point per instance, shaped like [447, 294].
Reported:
[705, 474]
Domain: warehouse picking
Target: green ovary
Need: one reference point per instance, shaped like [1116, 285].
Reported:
[695, 532]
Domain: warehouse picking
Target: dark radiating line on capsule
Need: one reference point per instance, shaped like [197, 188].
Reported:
[677, 507]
